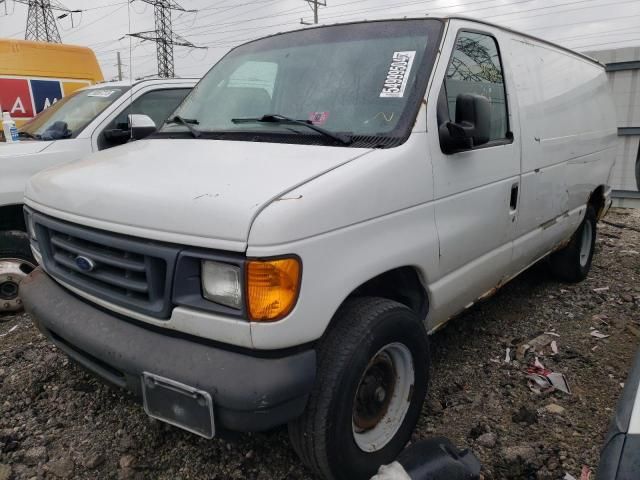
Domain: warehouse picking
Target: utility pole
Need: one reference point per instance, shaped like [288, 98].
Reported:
[314, 4]
[163, 35]
[119, 67]
[41, 23]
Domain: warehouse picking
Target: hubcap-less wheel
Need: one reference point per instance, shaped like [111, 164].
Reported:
[12, 272]
[585, 243]
[383, 397]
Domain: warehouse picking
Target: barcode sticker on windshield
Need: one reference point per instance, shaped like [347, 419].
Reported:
[101, 93]
[398, 74]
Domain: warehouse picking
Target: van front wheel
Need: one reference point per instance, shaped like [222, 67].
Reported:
[371, 382]
[573, 262]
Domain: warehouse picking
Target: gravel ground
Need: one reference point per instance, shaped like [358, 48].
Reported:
[56, 421]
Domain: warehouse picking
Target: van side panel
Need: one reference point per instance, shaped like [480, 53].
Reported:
[568, 134]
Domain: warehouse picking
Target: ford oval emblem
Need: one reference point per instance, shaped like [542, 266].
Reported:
[85, 264]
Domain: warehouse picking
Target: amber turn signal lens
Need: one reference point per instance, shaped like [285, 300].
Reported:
[272, 288]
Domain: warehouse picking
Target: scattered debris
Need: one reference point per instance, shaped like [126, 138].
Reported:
[10, 330]
[535, 345]
[598, 335]
[393, 471]
[586, 473]
[507, 356]
[543, 380]
[601, 289]
[554, 347]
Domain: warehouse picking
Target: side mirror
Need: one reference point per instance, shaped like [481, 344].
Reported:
[141, 126]
[472, 126]
[117, 136]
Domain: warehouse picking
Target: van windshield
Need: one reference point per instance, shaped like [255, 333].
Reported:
[69, 116]
[359, 82]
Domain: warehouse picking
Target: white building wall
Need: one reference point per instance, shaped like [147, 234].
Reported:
[625, 86]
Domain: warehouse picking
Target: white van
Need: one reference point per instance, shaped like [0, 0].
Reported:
[89, 120]
[321, 202]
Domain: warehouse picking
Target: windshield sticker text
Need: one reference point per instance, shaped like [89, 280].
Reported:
[398, 75]
[101, 93]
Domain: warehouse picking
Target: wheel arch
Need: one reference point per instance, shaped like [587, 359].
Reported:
[12, 217]
[403, 284]
[597, 200]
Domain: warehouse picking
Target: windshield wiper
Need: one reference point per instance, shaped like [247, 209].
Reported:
[282, 120]
[187, 122]
[29, 135]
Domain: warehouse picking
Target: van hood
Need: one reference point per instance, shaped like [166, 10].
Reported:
[23, 147]
[191, 191]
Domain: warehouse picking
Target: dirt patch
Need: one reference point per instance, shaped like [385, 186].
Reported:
[56, 421]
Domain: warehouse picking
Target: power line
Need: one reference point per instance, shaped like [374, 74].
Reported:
[41, 23]
[314, 4]
[164, 36]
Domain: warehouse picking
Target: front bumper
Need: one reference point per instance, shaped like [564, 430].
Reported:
[250, 392]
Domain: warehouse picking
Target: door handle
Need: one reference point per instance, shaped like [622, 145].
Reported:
[513, 203]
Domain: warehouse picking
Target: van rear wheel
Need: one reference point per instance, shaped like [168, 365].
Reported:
[573, 262]
[371, 383]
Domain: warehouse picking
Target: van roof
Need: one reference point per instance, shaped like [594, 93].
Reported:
[25, 58]
[445, 18]
[517, 32]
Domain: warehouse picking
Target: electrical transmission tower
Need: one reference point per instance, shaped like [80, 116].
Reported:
[41, 23]
[314, 4]
[164, 36]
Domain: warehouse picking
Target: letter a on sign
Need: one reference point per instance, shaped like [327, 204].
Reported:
[18, 107]
[15, 97]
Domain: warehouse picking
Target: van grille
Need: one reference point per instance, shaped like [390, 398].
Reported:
[127, 271]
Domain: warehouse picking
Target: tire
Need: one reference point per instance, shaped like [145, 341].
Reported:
[16, 262]
[573, 262]
[335, 439]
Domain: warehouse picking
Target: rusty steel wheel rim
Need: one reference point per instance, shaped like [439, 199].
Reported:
[383, 397]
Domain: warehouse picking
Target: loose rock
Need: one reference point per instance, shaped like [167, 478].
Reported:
[35, 455]
[62, 468]
[5, 472]
[555, 409]
[488, 440]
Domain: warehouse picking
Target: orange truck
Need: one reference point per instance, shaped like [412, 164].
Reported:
[35, 75]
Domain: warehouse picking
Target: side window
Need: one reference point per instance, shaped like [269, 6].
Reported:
[158, 105]
[475, 68]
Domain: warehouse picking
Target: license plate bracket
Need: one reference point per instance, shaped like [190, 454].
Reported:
[178, 404]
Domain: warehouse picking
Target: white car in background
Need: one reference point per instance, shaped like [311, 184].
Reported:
[89, 120]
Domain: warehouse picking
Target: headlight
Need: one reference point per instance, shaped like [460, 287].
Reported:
[221, 283]
[272, 288]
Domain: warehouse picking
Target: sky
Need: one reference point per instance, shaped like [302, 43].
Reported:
[218, 25]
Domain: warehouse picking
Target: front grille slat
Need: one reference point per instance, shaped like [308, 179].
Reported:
[108, 259]
[115, 280]
[126, 271]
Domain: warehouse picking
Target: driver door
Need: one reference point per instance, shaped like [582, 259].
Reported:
[476, 189]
